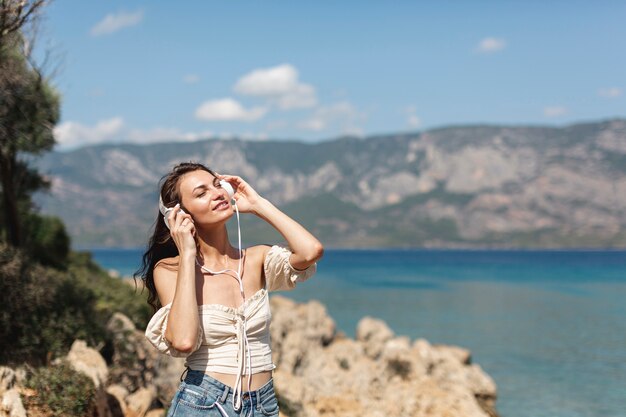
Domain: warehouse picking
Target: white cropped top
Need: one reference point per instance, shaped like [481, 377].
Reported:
[222, 342]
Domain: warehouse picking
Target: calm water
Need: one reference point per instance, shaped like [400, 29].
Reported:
[548, 326]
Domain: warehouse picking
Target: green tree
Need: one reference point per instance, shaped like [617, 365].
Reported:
[29, 109]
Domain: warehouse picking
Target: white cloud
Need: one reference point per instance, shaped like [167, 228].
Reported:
[554, 111]
[302, 96]
[228, 109]
[412, 120]
[191, 79]
[490, 45]
[72, 134]
[610, 92]
[280, 85]
[116, 21]
[340, 115]
[315, 123]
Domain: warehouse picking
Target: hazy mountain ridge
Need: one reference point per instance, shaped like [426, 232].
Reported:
[452, 186]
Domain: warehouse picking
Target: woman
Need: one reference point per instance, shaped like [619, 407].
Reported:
[214, 297]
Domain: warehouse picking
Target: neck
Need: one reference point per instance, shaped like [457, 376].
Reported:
[214, 245]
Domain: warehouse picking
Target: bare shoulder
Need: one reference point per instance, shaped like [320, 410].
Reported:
[258, 252]
[165, 275]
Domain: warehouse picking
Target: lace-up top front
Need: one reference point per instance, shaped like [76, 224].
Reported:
[222, 342]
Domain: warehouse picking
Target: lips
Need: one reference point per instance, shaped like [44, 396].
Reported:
[221, 206]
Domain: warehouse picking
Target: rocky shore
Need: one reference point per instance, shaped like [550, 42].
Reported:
[320, 372]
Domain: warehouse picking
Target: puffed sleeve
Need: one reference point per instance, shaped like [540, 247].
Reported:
[279, 274]
[155, 333]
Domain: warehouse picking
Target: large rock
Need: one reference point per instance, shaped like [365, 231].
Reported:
[306, 326]
[136, 364]
[133, 358]
[139, 401]
[116, 395]
[320, 373]
[88, 361]
[10, 401]
[373, 334]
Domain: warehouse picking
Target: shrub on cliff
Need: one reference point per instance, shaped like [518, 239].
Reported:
[59, 390]
[112, 294]
[43, 310]
[46, 240]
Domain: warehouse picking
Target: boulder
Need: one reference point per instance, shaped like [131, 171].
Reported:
[373, 334]
[11, 404]
[321, 373]
[136, 364]
[140, 401]
[88, 361]
[305, 326]
[133, 358]
[10, 400]
[116, 396]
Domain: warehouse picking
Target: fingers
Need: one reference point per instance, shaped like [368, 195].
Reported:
[171, 217]
[183, 219]
[231, 178]
[177, 217]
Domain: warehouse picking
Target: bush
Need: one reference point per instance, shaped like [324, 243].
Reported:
[112, 294]
[43, 310]
[46, 240]
[60, 391]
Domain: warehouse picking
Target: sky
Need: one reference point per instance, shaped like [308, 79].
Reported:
[145, 72]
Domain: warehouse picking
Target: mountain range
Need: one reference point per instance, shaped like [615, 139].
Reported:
[465, 186]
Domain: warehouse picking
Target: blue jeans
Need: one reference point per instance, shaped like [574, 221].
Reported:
[202, 395]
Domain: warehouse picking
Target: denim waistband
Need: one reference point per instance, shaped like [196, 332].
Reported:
[207, 382]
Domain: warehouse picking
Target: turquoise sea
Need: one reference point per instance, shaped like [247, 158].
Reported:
[548, 326]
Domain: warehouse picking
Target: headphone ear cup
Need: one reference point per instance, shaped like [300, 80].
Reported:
[164, 211]
[229, 188]
[162, 208]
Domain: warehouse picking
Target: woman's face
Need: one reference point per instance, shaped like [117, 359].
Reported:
[202, 197]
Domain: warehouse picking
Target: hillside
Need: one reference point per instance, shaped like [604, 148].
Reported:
[461, 186]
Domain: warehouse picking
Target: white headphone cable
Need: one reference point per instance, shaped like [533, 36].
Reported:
[243, 296]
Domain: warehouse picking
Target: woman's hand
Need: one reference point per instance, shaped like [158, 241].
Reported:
[245, 196]
[183, 231]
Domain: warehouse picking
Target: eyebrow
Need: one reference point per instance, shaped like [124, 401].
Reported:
[199, 186]
[203, 186]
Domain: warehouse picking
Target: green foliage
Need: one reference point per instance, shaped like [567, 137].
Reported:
[29, 109]
[46, 240]
[61, 391]
[112, 294]
[43, 310]
[30, 105]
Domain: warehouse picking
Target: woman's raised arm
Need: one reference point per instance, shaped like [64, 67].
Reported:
[306, 248]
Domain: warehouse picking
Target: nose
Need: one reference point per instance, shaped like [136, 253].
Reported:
[218, 193]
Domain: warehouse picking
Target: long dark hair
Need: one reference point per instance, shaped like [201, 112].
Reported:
[161, 245]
